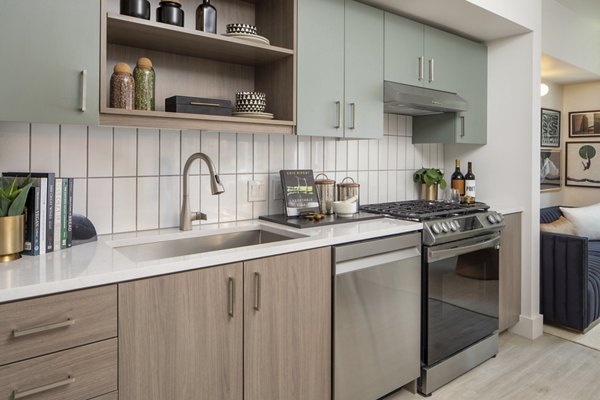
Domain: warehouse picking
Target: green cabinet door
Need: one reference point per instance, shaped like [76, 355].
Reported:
[364, 71]
[320, 73]
[45, 47]
[441, 60]
[403, 55]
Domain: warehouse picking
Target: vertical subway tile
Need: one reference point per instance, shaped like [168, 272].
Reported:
[148, 153]
[209, 145]
[363, 155]
[316, 154]
[275, 205]
[261, 154]
[209, 204]
[99, 204]
[14, 148]
[382, 186]
[45, 145]
[304, 152]
[244, 207]
[100, 152]
[410, 154]
[363, 180]
[124, 203]
[244, 154]
[392, 181]
[73, 151]
[125, 151]
[275, 153]
[341, 155]
[169, 201]
[290, 152]
[228, 152]
[228, 199]
[418, 156]
[402, 125]
[401, 186]
[401, 160]
[411, 186]
[393, 125]
[147, 203]
[190, 144]
[170, 152]
[383, 153]
[353, 155]
[373, 187]
[261, 207]
[194, 194]
[392, 153]
[373, 154]
[329, 154]
[80, 196]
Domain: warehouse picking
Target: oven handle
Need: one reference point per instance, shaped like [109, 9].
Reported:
[437, 255]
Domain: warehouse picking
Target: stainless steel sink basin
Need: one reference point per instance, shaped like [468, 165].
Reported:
[202, 244]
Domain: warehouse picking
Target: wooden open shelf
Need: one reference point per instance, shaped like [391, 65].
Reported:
[136, 32]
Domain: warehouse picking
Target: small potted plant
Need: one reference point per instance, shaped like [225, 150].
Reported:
[12, 219]
[430, 179]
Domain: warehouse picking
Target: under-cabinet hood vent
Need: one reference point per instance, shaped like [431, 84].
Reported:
[413, 100]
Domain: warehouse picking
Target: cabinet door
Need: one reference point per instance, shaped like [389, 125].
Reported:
[510, 272]
[472, 86]
[287, 336]
[441, 60]
[320, 74]
[45, 47]
[180, 336]
[403, 56]
[364, 71]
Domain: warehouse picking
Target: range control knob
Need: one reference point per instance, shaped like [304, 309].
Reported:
[492, 218]
[499, 217]
[454, 226]
[436, 228]
[445, 227]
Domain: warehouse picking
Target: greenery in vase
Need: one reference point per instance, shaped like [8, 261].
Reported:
[13, 196]
[430, 176]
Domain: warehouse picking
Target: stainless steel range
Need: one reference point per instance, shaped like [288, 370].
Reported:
[459, 321]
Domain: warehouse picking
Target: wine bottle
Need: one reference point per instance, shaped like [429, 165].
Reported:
[458, 180]
[470, 185]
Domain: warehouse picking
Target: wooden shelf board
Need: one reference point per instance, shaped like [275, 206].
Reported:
[140, 33]
[169, 120]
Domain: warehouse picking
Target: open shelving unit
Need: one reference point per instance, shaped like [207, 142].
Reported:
[198, 64]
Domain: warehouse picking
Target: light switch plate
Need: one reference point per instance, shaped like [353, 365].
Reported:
[257, 191]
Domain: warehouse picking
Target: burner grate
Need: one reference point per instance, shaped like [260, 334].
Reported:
[422, 210]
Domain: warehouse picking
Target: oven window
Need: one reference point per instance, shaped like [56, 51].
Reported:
[462, 302]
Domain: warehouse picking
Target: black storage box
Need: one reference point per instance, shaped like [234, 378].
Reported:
[198, 105]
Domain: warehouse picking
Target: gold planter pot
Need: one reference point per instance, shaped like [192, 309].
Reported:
[428, 192]
[11, 237]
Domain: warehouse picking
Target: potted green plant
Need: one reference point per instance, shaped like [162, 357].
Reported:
[430, 179]
[12, 219]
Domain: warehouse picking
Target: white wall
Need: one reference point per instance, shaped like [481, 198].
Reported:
[554, 101]
[524, 13]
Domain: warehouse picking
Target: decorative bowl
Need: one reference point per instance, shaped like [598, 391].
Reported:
[242, 28]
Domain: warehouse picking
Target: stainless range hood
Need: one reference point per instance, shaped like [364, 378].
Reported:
[413, 100]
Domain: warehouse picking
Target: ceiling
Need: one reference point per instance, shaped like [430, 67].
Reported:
[558, 71]
[588, 9]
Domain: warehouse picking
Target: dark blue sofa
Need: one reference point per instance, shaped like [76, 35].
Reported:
[569, 277]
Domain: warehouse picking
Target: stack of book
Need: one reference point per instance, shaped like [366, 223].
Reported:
[48, 212]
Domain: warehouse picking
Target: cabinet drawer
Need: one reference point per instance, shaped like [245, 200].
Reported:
[109, 396]
[30, 328]
[76, 374]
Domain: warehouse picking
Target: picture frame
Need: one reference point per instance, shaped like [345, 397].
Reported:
[582, 161]
[550, 128]
[550, 170]
[584, 124]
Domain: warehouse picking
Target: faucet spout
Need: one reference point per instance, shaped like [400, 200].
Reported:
[186, 217]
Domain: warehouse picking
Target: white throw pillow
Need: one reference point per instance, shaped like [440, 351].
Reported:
[585, 219]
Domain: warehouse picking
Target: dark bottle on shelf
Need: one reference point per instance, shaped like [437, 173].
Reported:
[458, 180]
[206, 17]
[136, 8]
[170, 12]
[470, 185]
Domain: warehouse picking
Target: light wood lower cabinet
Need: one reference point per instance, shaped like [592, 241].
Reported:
[510, 272]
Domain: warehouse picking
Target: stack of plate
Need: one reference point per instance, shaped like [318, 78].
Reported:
[245, 32]
[251, 104]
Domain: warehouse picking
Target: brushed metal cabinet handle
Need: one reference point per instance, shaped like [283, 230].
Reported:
[256, 291]
[421, 68]
[462, 126]
[84, 74]
[338, 114]
[26, 393]
[353, 111]
[431, 70]
[231, 297]
[20, 333]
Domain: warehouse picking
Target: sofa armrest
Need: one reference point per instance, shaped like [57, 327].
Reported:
[564, 279]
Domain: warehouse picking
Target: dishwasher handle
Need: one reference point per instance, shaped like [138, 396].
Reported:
[376, 260]
[373, 247]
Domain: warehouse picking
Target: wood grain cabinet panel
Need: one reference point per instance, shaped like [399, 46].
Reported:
[30, 328]
[81, 373]
[109, 396]
[510, 272]
[180, 336]
[287, 333]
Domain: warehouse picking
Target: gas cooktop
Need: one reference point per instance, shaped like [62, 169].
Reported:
[423, 210]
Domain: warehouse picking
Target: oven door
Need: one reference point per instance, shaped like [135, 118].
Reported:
[460, 295]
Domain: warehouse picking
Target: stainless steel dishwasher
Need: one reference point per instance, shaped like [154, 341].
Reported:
[377, 316]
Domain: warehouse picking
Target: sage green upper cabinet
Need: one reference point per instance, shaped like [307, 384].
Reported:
[51, 61]
[403, 54]
[340, 69]
[441, 59]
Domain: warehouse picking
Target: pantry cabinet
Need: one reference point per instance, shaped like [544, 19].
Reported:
[340, 69]
[510, 272]
[50, 61]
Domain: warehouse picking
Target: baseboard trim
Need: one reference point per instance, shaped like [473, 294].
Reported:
[529, 327]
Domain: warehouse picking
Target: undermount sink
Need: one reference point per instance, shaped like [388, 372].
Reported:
[202, 244]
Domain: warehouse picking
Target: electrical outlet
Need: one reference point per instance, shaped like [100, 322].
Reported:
[256, 191]
[276, 192]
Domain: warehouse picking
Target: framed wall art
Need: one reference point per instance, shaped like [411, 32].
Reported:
[583, 164]
[584, 123]
[550, 128]
[550, 179]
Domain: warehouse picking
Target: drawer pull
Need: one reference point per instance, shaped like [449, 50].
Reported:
[31, 392]
[18, 333]
[257, 291]
[231, 297]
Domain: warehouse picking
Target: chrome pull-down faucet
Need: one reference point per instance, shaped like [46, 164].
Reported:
[186, 217]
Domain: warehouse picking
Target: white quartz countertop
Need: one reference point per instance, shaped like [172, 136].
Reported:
[101, 263]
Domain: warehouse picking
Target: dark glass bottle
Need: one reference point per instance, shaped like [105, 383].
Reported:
[458, 180]
[206, 17]
[470, 185]
[136, 8]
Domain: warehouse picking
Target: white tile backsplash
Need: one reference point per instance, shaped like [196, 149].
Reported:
[130, 179]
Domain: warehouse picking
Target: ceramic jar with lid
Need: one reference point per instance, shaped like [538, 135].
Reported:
[145, 79]
[136, 8]
[347, 189]
[122, 87]
[170, 12]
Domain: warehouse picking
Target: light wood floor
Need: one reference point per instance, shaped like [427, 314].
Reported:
[548, 368]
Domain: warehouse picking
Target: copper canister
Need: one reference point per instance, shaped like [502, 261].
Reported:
[326, 192]
[347, 189]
